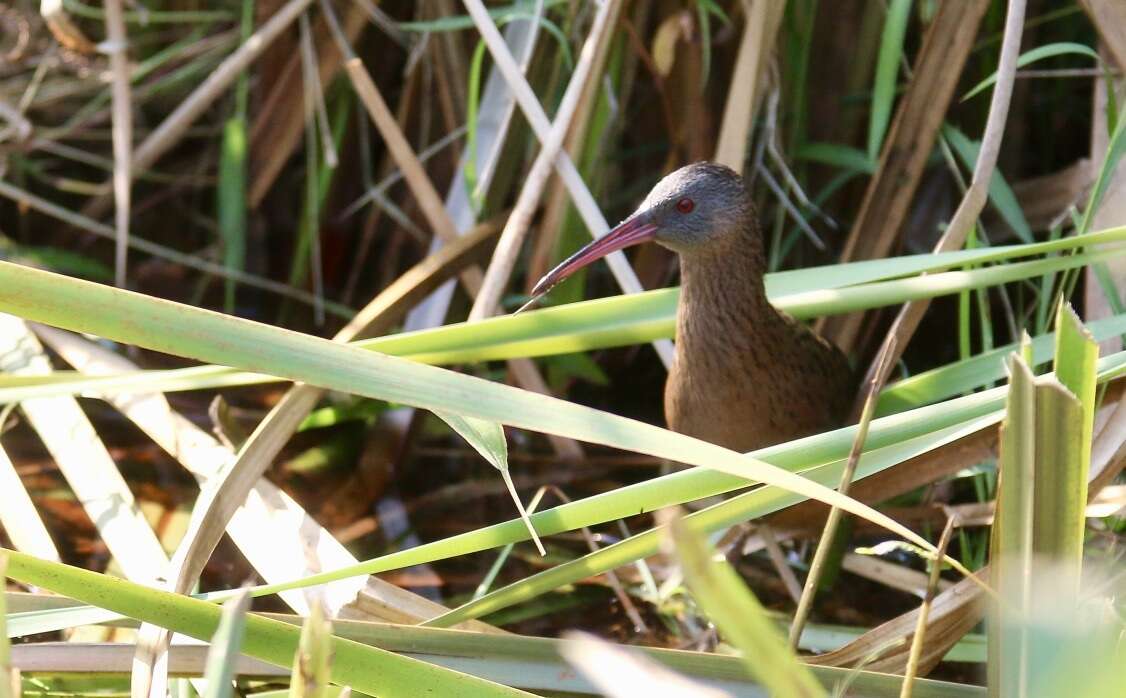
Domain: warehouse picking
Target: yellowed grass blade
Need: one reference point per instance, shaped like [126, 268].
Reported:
[748, 81]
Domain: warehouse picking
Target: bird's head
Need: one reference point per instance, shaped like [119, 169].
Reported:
[700, 207]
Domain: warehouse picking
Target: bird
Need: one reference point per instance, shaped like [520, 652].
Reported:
[745, 375]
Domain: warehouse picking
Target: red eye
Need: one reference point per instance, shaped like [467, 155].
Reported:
[685, 205]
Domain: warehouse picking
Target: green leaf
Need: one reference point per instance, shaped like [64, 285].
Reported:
[1115, 149]
[887, 68]
[231, 206]
[563, 367]
[642, 317]
[980, 370]
[1062, 48]
[332, 415]
[485, 436]
[488, 440]
[194, 333]
[1011, 536]
[907, 433]
[1060, 480]
[534, 663]
[472, 107]
[60, 260]
[1077, 354]
[231, 190]
[705, 9]
[1041, 496]
[1000, 193]
[837, 155]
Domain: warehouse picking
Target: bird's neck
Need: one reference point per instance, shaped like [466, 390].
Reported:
[723, 296]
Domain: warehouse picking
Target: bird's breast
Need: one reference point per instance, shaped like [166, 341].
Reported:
[750, 384]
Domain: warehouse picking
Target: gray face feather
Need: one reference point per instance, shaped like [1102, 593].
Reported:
[719, 212]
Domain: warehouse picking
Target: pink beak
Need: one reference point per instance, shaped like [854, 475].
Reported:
[630, 232]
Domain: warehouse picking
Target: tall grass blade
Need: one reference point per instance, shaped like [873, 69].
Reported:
[231, 203]
[367, 669]
[741, 618]
[231, 190]
[741, 508]
[1042, 498]
[311, 664]
[535, 663]
[225, 647]
[1064, 484]
[207, 336]
[607, 322]
[839, 156]
[1011, 536]
[1115, 150]
[887, 68]
[980, 370]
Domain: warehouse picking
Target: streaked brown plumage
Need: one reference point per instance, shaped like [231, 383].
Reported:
[746, 375]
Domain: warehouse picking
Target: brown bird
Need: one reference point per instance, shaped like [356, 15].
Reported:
[746, 375]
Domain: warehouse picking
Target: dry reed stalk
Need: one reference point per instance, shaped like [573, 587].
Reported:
[203, 266]
[892, 575]
[917, 642]
[430, 203]
[909, 142]
[778, 560]
[763, 18]
[951, 615]
[907, 321]
[541, 126]
[117, 46]
[515, 230]
[279, 119]
[83, 460]
[63, 28]
[1109, 18]
[557, 202]
[315, 88]
[175, 125]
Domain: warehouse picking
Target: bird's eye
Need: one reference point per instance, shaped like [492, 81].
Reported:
[685, 205]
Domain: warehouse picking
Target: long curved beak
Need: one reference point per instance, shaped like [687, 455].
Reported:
[630, 232]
